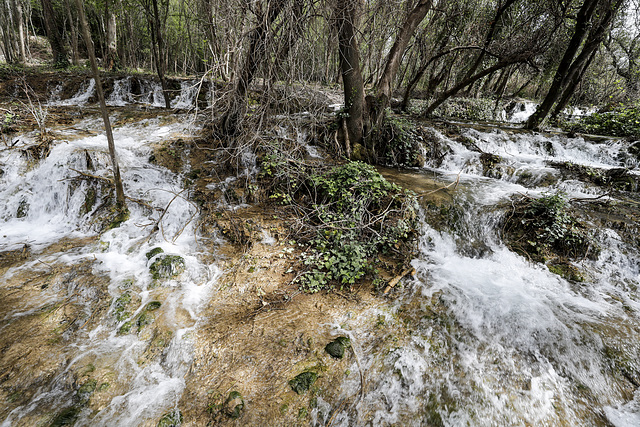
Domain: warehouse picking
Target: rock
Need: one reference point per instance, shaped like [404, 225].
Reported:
[167, 267]
[303, 382]
[171, 419]
[153, 252]
[337, 347]
[234, 405]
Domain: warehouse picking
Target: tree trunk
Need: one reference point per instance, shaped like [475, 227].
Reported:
[112, 62]
[384, 86]
[159, 54]
[574, 79]
[121, 205]
[60, 59]
[346, 14]
[231, 121]
[75, 54]
[19, 17]
[585, 14]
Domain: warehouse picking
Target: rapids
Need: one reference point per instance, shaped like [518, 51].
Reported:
[479, 336]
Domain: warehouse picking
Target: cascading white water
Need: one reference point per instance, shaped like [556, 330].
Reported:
[81, 97]
[43, 205]
[121, 94]
[512, 343]
[187, 97]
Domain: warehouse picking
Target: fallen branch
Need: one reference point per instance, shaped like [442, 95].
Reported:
[88, 175]
[393, 282]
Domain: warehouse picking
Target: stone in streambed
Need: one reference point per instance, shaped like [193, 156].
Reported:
[303, 382]
[337, 347]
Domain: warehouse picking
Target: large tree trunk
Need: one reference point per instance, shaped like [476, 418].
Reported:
[121, 205]
[19, 18]
[346, 14]
[60, 58]
[585, 15]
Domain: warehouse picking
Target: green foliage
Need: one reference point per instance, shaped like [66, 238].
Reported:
[400, 142]
[544, 227]
[357, 214]
[621, 121]
[303, 382]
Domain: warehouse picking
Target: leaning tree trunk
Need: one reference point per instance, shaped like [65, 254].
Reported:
[467, 82]
[583, 19]
[161, 66]
[121, 205]
[60, 59]
[384, 86]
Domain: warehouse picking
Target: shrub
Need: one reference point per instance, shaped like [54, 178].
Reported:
[621, 121]
[544, 227]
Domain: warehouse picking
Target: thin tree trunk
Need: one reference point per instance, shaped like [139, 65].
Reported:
[231, 121]
[464, 84]
[113, 62]
[121, 204]
[384, 86]
[75, 54]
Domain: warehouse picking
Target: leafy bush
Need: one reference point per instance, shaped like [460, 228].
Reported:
[400, 143]
[621, 121]
[347, 216]
[543, 227]
[356, 214]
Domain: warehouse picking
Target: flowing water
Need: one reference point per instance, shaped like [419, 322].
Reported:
[492, 338]
[479, 336]
[103, 282]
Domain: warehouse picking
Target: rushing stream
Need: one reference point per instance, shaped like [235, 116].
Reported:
[479, 336]
[46, 202]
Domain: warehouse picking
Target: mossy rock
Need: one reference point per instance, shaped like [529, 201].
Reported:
[337, 347]
[86, 390]
[125, 328]
[167, 267]
[120, 306]
[67, 417]
[171, 419]
[23, 209]
[566, 270]
[234, 405]
[153, 252]
[303, 382]
[153, 305]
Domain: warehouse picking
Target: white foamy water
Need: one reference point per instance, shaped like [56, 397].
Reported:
[494, 338]
[43, 205]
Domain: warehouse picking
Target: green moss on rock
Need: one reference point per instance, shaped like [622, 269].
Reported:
[167, 267]
[303, 382]
[233, 405]
[337, 347]
[171, 419]
[153, 252]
